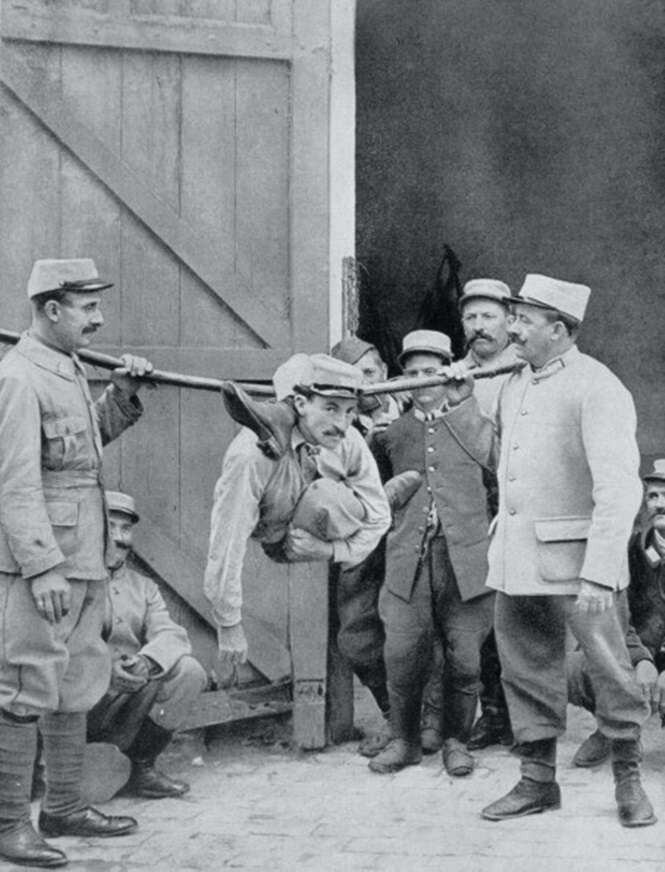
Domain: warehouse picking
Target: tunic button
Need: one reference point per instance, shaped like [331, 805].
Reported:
[431, 469]
[512, 512]
[431, 430]
[118, 620]
[515, 446]
[425, 510]
[511, 478]
[430, 449]
[524, 412]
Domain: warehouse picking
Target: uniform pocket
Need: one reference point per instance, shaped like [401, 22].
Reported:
[64, 441]
[561, 546]
[64, 517]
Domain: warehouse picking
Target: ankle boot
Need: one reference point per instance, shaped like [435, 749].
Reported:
[145, 780]
[404, 747]
[633, 805]
[271, 421]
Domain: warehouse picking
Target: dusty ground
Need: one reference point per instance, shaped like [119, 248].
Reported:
[256, 804]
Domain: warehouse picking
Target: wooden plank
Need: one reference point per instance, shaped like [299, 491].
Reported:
[29, 200]
[185, 575]
[262, 112]
[180, 34]
[196, 246]
[310, 202]
[308, 634]
[221, 706]
[208, 191]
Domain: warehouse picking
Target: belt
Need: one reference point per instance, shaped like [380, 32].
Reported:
[71, 478]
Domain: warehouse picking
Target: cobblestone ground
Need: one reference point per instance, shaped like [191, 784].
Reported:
[257, 805]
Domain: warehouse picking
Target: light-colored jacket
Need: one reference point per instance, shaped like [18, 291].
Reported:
[51, 436]
[569, 487]
[139, 621]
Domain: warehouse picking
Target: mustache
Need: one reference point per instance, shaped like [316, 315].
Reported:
[89, 330]
[334, 431]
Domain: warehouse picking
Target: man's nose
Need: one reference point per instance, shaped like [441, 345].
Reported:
[97, 318]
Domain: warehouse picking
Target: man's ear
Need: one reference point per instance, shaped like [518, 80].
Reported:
[52, 310]
[299, 403]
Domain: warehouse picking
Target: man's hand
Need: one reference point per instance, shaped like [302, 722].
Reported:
[126, 378]
[301, 546]
[647, 678]
[232, 644]
[459, 386]
[51, 593]
[129, 674]
[593, 598]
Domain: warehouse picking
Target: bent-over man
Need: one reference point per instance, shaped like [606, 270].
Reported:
[315, 496]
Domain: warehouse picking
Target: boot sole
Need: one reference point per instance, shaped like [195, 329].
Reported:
[389, 768]
[53, 864]
[646, 823]
[519, 814]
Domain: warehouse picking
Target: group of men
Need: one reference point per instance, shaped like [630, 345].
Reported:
[470, 516]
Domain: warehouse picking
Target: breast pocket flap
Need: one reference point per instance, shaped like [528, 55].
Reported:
[55, 427]
[562, 529]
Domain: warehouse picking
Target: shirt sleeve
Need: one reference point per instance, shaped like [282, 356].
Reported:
[235, 514]
[165, 641]
[363, 478]
[23, 511]
[608, 425]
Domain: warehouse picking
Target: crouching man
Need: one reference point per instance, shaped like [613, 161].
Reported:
[154, 680]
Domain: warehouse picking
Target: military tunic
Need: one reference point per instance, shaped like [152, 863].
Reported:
[52, 516]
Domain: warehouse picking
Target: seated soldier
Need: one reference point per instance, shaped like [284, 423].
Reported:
[155, 679]
[646, 555]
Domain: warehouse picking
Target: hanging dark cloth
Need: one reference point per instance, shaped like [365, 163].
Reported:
[439, 309]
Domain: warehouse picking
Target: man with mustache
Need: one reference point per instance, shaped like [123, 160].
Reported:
[485, 313]
[54, 665]
[436, 565]
[646, 605]
[153, 669]
[312, 493]
[568, 493]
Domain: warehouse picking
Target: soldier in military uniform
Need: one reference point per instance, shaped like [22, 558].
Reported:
[436, 565]
[155, 679]
[54, 664]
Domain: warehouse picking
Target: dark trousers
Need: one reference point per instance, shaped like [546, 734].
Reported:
[360, 634]
[531, 636]
[435, 608]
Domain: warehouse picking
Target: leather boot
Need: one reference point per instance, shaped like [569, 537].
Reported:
[145, 780]
[374, 742]
[594, 749]
[537, 790]
[633, 805]
[271, 421]
[404, 748]
[489, 730]
[25, 847]
[459, 710]
[431, 736]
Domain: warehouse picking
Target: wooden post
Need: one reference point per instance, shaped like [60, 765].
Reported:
[308, 636]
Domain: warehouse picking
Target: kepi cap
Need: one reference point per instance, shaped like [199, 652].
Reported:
[351, 349]
[78, 275]
[658, 472]
[546, 293]
[427, 342]
[488, 289]
[116, 501]
[319, 373]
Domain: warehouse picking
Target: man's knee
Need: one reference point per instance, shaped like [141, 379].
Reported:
[189, 673]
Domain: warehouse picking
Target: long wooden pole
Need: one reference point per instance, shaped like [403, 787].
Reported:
[202, 383]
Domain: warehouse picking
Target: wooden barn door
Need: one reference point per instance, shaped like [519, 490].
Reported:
[185, 146]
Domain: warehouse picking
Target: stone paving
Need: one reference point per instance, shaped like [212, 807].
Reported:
[258, 805]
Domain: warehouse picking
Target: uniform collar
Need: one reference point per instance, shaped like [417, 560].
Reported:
[59, 362]
[432, 415]
[556, 364]
[297, 439]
